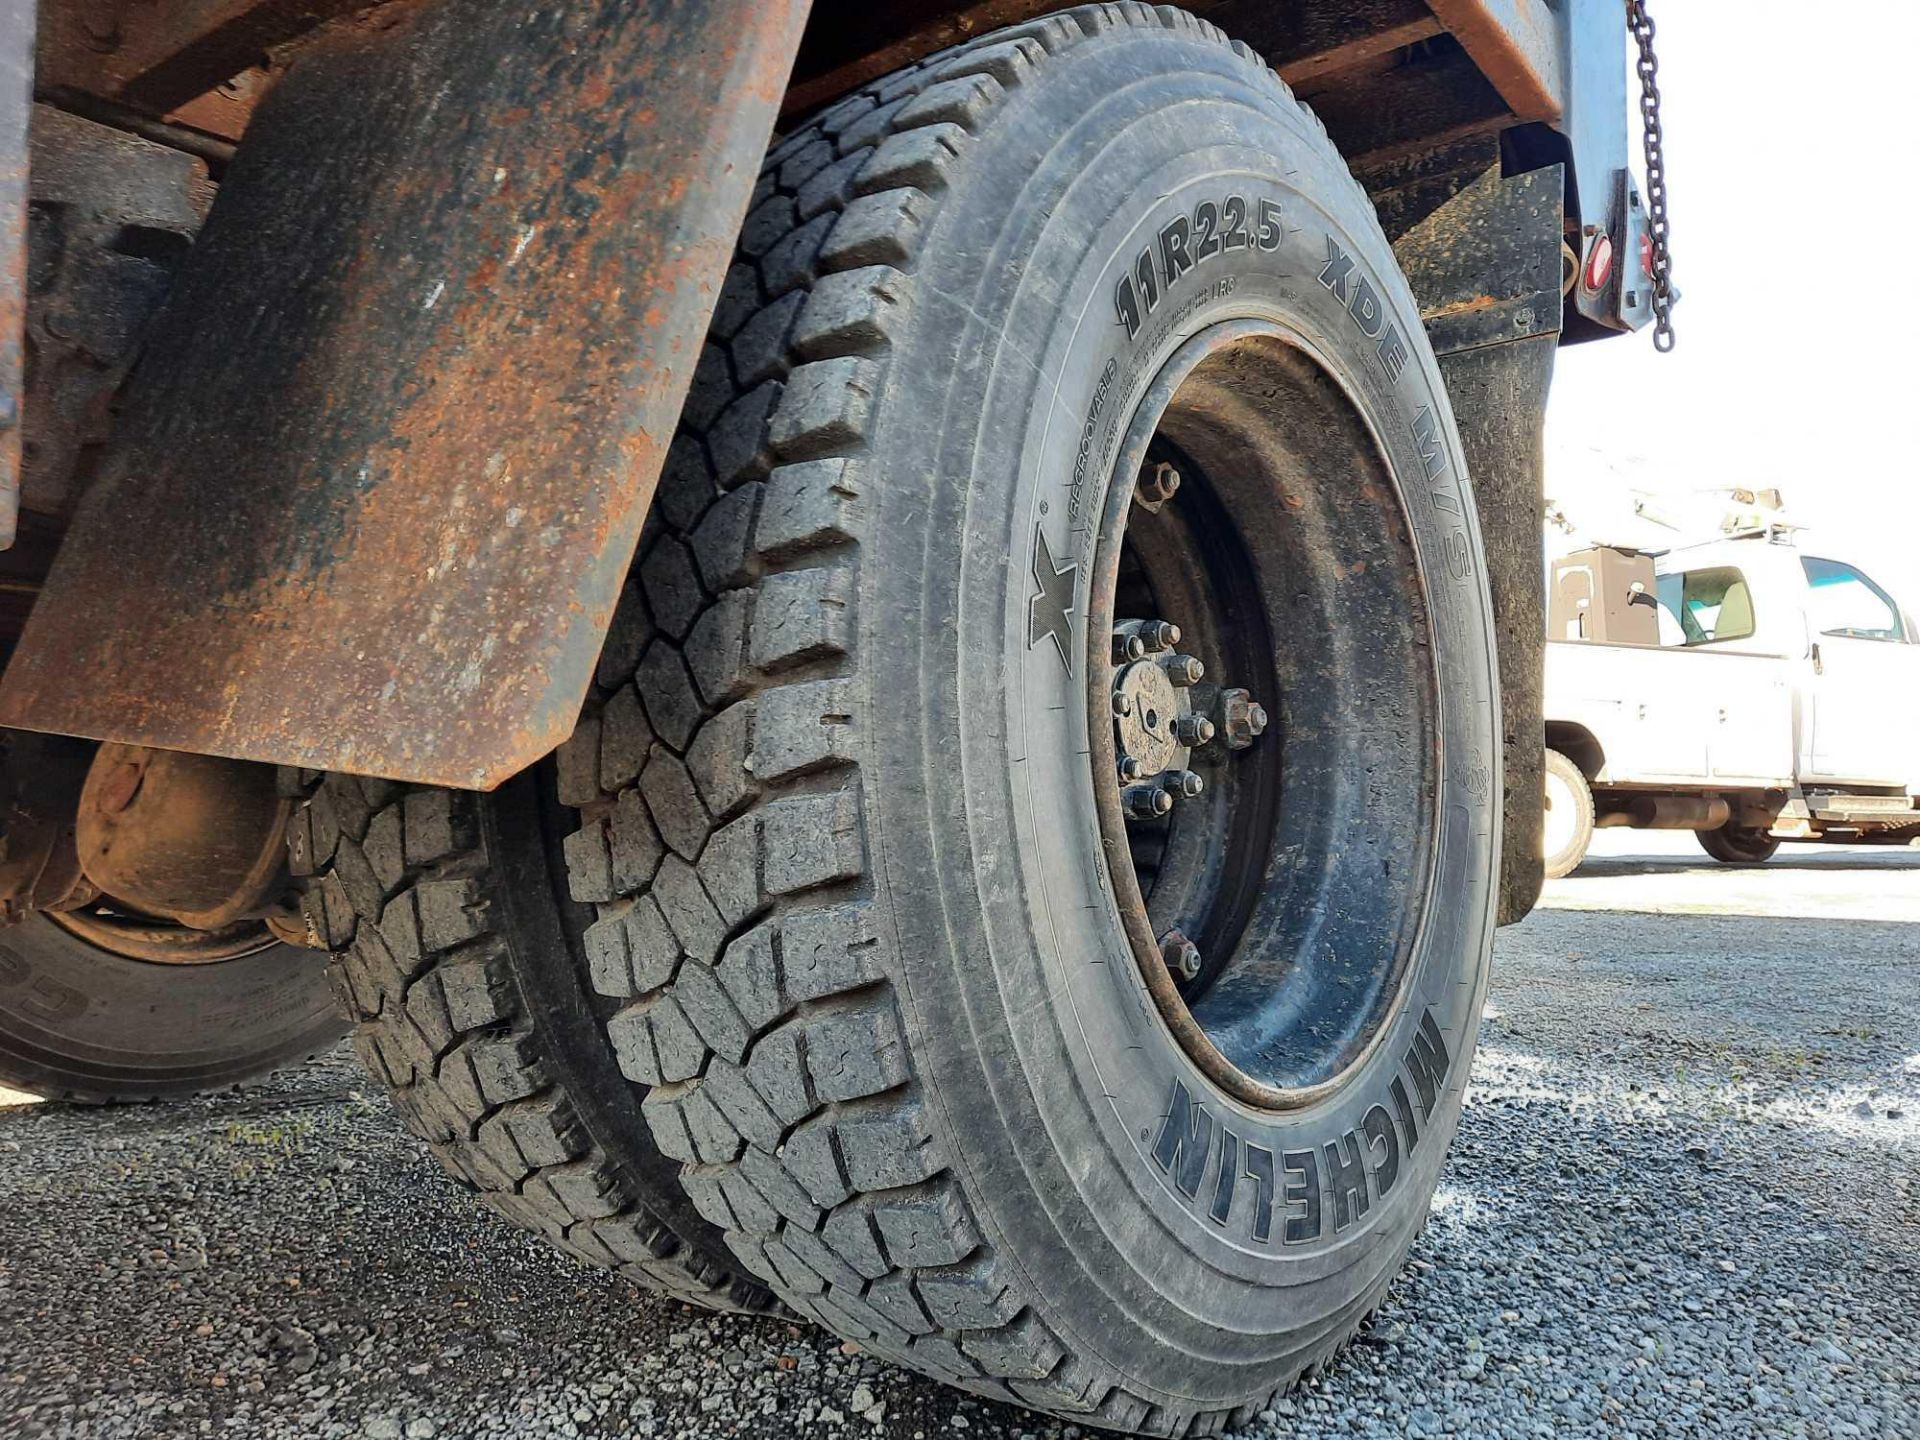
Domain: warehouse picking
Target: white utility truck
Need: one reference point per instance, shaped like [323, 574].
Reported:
[1746, 688]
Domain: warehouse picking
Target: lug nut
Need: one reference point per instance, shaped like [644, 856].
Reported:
[1181, 955]
[1127, 647]
[1184, 670]
[1129, 768]
[1146, 802]
[1242, 718]
[1158, 484]
[1160, 635]
[1184, 783]
[1193, 730]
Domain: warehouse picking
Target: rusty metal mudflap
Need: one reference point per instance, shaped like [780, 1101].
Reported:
[17, 19]
[1485, 266]
[383, 469]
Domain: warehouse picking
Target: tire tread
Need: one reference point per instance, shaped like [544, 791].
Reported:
[778, 1068]
[403, 902]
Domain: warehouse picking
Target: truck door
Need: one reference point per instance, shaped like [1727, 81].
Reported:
[1864, 689]
[1738, 693]
[1700, 610]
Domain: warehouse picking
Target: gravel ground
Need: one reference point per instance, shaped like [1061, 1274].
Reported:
[1685, 1200]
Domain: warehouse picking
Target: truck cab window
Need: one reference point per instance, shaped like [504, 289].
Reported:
[1842, 601]
[1705, 606]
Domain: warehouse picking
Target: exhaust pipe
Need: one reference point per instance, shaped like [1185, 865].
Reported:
[1667, 812]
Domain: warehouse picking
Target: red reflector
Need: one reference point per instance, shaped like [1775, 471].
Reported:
[1646, 255]
[1599, 263]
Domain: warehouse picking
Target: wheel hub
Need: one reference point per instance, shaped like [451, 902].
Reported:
[1160, 719]
[1155, 724]
[194, 839]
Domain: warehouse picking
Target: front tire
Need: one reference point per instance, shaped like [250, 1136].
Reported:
[884, 985]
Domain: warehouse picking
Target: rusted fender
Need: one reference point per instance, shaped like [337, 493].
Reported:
[17, 19]
[383, 470]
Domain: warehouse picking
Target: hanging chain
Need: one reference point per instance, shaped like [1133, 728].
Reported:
[1640, 24]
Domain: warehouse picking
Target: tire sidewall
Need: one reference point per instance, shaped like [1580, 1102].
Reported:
[1050, 1066]
[79, 1021]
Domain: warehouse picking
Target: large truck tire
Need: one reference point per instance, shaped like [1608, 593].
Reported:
[1738, 844]
[98, 1007]
[1566, 828]
[891, 959]
[459, 961]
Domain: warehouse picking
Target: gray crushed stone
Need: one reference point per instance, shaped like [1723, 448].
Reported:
[1685, 1200]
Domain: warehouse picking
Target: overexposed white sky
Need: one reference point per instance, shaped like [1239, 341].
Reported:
[1788, 132]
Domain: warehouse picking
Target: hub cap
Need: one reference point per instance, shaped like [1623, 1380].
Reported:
[1155, 724]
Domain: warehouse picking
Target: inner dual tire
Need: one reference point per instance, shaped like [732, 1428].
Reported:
[458, 956]
[879, 953]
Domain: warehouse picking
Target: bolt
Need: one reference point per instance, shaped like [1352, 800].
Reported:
[1127, 647]
[1159, 635]
[1184, 670]
[1193, 730]
[1146, 802]
[1184, 783]
[1157, 485]
[1181, 954]
[1130, 768]
[1122, 703]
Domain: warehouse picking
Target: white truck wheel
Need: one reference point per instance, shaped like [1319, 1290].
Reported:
[1567, 826]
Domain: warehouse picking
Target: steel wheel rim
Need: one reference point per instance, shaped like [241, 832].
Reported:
[1190, 1030]
[161, 942]
[1561, 819]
